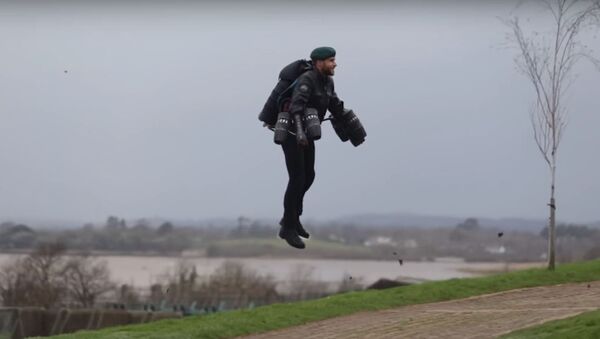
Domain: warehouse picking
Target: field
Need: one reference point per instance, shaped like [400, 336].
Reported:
[279, 316]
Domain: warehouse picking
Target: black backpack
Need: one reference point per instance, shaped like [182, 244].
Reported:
[283, 90]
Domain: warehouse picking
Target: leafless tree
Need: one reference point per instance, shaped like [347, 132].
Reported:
[86, 279]
[14, 285]
[180, 283]
[233, 276]
[128, 296]
[303, 284]
[35, 280]
[48, 278]
[548, 61]
[46, 267]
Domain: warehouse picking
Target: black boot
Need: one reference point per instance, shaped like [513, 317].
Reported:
[301, 231]
[290, 235]
[299, 228]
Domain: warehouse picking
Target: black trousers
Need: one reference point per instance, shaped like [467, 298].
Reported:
[300, 163]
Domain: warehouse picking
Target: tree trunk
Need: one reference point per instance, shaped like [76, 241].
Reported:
[552, 237]
[552, 227]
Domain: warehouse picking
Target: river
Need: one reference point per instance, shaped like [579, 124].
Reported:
[142, 271]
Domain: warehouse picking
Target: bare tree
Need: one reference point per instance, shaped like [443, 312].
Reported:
[48, 278]
[86, 279]
[303, 284]
[180, 283]
[14, 286]
[35, 280]
[127, 295]
[548, 60]
[46, 267]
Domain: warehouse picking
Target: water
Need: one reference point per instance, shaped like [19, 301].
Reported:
[142, 271]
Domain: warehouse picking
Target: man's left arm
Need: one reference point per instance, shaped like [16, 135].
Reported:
[336, 106]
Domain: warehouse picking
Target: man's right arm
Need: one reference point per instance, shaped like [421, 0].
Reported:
[301, 95]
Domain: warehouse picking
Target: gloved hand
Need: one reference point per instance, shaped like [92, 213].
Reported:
[337, 110]
[300, 136]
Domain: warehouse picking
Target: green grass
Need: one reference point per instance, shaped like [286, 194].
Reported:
[583, 326]
[234, 323]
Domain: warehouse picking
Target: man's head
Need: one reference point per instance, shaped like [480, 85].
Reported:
[323, 59]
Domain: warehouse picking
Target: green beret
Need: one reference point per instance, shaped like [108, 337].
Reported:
[322, 53]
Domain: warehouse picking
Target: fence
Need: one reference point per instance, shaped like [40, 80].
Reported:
[22, 322]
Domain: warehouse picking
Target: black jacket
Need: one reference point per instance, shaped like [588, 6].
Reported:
[315, 90]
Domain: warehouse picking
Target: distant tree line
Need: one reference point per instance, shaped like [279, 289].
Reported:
[468, 240]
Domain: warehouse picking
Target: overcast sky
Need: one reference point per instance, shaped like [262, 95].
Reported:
[144, 109]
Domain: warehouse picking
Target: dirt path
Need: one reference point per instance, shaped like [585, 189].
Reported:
[484, 316]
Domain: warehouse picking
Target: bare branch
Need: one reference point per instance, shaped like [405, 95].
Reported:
[531, 66]
[551, 8]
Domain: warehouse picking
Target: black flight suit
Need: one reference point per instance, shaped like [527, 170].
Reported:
[315, 90]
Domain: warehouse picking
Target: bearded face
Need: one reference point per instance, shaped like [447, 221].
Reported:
[327, 66]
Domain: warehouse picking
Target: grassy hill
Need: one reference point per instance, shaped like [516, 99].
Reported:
[583, 326]
[235, 323]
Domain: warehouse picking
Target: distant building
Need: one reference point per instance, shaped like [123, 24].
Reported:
[410, 243]
[495, 249]
[376, 241]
